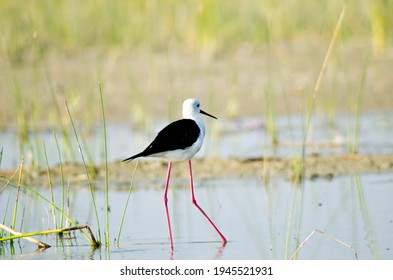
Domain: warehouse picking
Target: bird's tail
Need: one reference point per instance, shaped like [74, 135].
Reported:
[133, 157]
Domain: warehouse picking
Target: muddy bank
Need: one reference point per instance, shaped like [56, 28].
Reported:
[153, 172]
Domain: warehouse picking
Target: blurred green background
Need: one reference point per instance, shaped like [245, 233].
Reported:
[191, 25]
[150, 55]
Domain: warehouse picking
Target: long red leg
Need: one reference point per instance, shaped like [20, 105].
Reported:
[166, 202]
[223, 239]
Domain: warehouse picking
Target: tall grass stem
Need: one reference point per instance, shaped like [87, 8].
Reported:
[126, 205]
[86, 171]
[317, 86]
[61, 179]
[106, 167]
[50, 184]
[354, 143]
[17, 195]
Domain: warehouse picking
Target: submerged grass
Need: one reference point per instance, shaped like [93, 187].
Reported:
[370, 236]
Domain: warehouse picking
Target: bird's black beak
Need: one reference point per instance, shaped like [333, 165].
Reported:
[203, 112]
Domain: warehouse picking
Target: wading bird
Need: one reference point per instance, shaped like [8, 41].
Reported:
[180, 141]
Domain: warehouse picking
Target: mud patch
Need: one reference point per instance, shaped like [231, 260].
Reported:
[152, 172]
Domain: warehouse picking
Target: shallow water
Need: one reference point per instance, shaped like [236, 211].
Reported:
[242, 138]
[260, 222]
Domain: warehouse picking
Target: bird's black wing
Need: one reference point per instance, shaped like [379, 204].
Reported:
[177, 135]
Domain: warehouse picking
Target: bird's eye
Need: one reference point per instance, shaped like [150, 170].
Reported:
[198, 105]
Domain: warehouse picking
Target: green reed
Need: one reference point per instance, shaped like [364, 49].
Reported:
[8, 201]
[126, 204]
[86, 171]
[23, 126]
[50, 184]
[16, 204]
[68, 201]
[11, 178]
[353, 142]
[319, 79]
[106, 166]
[295, 215]
[64, 131]
[61, 179]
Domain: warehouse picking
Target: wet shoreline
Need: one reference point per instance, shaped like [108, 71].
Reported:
[120, 173]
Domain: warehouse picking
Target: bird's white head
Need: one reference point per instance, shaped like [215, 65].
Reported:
[192, 110]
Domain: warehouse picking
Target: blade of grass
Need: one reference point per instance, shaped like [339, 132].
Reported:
[17, 195]
[297, 198]
[320, 76]
[126, 205]
[354, 143]
[68, 201]
[370, 236]
[61, 179]
[50, 184]
[22, 120]
[6, 184]
[106, 167]
[34, 139]
[23, 129]
[48, 77]
[23, 218]
[90, 162]
[86, 171]
[299, 166]
[6, 210]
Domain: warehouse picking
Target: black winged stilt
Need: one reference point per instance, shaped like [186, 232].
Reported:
[180, 141]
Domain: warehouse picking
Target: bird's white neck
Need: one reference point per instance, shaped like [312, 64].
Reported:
[201, 124]
[191, 111]
[198, 119]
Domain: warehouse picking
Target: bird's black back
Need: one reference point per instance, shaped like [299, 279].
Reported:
[177, 135]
